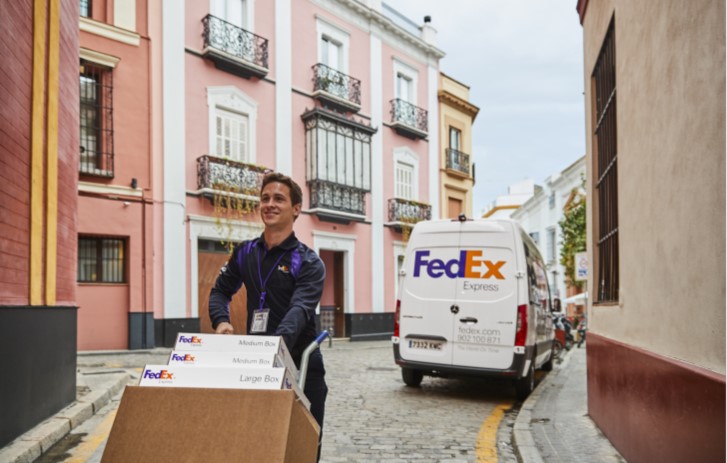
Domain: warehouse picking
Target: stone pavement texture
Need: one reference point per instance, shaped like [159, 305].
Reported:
[552, 425]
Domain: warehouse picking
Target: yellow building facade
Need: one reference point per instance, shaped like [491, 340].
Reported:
[456, 173]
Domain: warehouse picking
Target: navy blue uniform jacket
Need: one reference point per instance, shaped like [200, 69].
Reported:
[292, 292]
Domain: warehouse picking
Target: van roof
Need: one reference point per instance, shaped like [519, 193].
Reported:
[476, 225]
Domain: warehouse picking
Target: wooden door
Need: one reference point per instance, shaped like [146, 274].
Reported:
[339, 327]
[209, 264]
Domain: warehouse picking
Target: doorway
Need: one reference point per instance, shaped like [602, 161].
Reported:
[211, 257]
[333, 300]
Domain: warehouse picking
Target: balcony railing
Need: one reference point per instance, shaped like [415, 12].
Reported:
[336, 199]
[234, 49]
[336, 89]
[458, 161]
[217, 175]
[405, 212]
[408, 120]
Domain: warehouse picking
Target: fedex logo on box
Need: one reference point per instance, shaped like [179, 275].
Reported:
[163, 374]
[190, 340]
[187, 358]
[466, 266]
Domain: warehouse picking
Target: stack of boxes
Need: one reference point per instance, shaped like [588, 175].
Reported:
[227, 362]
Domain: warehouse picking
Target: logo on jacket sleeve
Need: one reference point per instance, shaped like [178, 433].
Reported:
[469, 265]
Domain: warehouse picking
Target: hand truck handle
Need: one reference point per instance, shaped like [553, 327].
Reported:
[306, 357]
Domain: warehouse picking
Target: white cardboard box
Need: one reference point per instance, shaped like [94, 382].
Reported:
[226, 359]
[193, 342]
[221, 378]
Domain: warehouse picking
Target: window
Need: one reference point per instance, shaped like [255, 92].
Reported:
[455, 138]
[331, 53]
[454, 207]
[233, 11]
[551, 200]
[232, 124]
[536, 238]
[96, 120]
[85, 8]
[404, 87]
[605, 155]
[550, 251]
[231, 135]
[404, 181]
[101, 260]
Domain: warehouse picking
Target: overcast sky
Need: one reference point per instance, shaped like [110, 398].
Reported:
[523, 62]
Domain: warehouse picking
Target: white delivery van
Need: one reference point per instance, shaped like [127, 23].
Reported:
[473, 301]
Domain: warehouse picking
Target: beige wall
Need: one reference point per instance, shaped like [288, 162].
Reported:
[670, 80]
[453, 115]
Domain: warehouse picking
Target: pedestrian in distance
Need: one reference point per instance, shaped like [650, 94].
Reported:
[582, 328]
[284, 282]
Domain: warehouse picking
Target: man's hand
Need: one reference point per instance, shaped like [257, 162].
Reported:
[224, 328]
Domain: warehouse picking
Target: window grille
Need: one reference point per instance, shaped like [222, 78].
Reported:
[605, 148]
[96, 120]
[101, 260]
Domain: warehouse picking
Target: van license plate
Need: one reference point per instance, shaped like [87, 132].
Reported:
[427, 345]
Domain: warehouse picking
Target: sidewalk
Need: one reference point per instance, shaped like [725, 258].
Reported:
[553, 423]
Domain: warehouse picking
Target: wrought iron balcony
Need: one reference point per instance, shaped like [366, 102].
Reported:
[408, 120]
[234, 49]
[458, 161]
[227, 177]
[337, 203]
[406, 213]
[336, 89]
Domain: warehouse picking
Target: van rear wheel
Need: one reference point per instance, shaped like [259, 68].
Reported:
[412, 378]
[524, 386]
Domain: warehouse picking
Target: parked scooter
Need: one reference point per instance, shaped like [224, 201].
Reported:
[563, 334]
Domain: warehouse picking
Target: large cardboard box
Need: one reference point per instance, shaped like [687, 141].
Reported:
[194, 342]
[221, 378]
[180, 425]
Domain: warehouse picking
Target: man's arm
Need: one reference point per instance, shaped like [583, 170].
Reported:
[228, 283]
[303, 303]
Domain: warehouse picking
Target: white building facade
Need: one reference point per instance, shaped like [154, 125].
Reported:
[539, 217]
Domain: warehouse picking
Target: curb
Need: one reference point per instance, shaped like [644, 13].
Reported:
[35, 442]
[523, 441]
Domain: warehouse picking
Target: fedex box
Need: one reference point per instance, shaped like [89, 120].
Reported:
[194, 342]
[221, 378]
[160, 424]
[226, 359]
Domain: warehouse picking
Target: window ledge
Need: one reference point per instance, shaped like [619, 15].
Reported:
[108, 31]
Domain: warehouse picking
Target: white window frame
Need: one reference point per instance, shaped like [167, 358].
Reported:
[551, 244]
[400, 187]
[403, 69]
[242, 155]
[231, 99]
[248, 8]
[399, 250]
[408, 157]
[334, 34]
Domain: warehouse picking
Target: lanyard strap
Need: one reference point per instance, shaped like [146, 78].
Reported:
[260, 276]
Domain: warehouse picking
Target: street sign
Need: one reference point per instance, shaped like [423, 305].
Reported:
[581, 265]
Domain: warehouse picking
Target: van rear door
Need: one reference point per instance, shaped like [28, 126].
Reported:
[484, 327]
[427, 295]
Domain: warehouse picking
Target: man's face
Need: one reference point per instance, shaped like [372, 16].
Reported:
[276, 207]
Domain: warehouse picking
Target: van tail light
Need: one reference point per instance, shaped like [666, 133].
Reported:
[396, 318]
[522, 325]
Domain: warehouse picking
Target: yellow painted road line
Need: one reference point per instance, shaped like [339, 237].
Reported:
[83, 452]
[486, 445]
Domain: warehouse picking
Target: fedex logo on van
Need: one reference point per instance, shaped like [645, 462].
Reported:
[162, 374]
[183, 358]
[467, 266]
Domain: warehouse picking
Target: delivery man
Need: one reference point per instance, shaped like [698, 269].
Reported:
[284, 282]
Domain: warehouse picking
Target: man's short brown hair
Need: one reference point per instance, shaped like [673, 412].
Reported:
[296, 194]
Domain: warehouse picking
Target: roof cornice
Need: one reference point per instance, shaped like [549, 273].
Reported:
[459, 103]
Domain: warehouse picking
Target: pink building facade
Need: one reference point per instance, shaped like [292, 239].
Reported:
[341, 95]
[181, 112]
